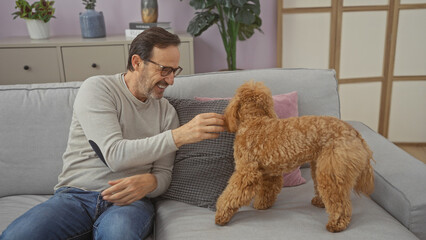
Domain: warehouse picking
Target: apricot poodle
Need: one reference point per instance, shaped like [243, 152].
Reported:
[265, 147]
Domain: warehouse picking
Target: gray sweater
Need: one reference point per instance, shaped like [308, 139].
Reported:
[133, 137]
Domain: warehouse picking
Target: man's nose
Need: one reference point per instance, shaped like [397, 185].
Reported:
[170, 79]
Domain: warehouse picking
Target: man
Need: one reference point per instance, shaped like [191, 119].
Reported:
[121, 147]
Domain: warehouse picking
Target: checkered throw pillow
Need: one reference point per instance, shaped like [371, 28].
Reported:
[201, 170]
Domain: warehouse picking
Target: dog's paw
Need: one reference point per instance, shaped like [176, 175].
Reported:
[221, 220]
[262, 205]
[317, 202]
[339, 225]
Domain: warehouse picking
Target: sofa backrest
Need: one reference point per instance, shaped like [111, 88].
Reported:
[317, 89]
[34, 126]
[35, 118]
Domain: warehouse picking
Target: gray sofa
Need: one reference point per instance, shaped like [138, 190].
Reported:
[34, 125]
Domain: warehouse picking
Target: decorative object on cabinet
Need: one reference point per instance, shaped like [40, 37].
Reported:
[135, 28]
[236, 20]
[92, 23]
[143, 26]
[149, 11]
[37, 17]
[38, 29]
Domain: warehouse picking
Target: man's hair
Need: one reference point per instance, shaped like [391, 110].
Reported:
[143, 44]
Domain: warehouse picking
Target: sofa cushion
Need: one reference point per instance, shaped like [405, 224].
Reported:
[11, 207]
[35, 121]
[201, 170]
[291, 217]
[285, 105]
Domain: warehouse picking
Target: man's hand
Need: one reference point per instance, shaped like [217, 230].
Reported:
[201, 127]
[127, 190]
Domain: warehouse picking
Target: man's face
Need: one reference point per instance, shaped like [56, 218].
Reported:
[152, 83]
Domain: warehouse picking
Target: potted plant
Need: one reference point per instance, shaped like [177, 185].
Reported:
[236, 20]
[92, 23]
[37, 17]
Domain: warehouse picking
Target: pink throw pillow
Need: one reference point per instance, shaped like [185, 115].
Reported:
[285, 106]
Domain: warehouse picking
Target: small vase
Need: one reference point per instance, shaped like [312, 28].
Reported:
[149, 11]
[92, 24]
[38, 29]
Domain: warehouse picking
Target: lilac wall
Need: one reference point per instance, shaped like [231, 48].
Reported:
[257, 52]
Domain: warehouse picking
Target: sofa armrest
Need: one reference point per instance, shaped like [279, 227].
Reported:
[400, 181]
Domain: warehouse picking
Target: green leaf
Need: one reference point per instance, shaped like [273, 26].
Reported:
[210, 4]
[201, 22]
[225, 3]
[253, 8]
[239, 3]
[246, 31]
[197, 4]
[245, 16]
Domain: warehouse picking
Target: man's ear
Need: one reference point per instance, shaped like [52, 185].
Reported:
[136, 61]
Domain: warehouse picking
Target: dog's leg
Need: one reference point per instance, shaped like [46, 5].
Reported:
[267, 191]
[239, 192]
[334, 186]
[316, 201]
[337, 203]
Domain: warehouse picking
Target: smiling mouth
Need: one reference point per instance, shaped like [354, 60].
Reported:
[162, 85]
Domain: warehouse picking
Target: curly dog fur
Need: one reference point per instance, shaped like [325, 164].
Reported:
[265, 147]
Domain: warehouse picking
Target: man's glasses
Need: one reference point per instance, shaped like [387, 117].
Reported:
[165, 71]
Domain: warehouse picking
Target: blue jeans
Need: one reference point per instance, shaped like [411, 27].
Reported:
[77, 214]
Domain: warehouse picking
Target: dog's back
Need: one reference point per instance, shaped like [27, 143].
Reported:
[295, 140]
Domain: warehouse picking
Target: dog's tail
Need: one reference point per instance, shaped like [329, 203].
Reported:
[365, 181]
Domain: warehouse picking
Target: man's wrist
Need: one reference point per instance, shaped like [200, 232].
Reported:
[154, 182]
[176, 138]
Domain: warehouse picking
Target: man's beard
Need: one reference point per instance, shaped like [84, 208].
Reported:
[148, 91]
[151, 94]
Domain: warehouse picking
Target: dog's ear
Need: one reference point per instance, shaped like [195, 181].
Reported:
[264, 99]
[268, 105]
[231, 115]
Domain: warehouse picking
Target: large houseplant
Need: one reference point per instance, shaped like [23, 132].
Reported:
[37, 16]
[236, 20]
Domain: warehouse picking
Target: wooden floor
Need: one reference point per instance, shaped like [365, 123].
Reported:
[416, 150]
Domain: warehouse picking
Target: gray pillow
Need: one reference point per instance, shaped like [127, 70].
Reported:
[201, 170]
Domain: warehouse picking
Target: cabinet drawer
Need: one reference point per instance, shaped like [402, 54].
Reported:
[29, 65]
[83, 62]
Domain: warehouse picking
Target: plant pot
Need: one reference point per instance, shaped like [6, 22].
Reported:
[38, 29]
[92, 24]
